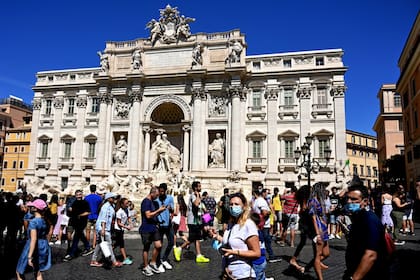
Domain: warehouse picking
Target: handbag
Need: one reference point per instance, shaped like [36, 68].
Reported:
[176, 219]
[105, 249]
[206, 218]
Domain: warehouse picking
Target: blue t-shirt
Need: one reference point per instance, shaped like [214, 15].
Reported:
[261, 259]
[164, 218]
[94, 201]
[147, 225]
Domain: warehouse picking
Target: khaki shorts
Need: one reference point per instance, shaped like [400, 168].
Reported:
[91, 224]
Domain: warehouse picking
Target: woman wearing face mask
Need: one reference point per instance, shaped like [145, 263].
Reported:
[240, 241]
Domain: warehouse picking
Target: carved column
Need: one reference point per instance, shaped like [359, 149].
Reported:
[186, 154]
[339, 153]
[147, 131]
[304, 95]
[236, 93]
[58, 116]
[134, 134]
[79, 153]
[36, 105]
[197, 157]
[104, 99]
[272, 93]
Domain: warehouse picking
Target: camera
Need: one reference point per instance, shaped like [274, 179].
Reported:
[224, 246]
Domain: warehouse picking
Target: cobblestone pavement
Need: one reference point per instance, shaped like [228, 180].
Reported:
[78, 268]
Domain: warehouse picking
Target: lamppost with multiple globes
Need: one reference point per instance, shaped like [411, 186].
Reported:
[307, 162]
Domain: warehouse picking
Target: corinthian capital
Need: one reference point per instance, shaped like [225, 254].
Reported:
[272, 93]
[104, 95]
[238, 91]
[81, 101]
[338, 91]
[58, 103]
[304, 92]
[36, 104]
[136, 94]
[199, 93]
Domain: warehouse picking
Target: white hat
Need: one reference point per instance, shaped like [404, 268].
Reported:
[109, 195]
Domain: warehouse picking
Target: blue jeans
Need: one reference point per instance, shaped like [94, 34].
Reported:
[78, 235]
[259, 270]
[169, 232]
[267, 241]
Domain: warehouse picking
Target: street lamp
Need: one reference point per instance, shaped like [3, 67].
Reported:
[308, 163]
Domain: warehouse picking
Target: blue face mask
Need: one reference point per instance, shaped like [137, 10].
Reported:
[352, 207]
[235, 210]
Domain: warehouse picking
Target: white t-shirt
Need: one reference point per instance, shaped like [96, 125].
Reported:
[120, 215]
[261, 204]
[241, 268]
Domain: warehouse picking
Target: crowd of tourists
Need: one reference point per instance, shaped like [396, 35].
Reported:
[242, 229]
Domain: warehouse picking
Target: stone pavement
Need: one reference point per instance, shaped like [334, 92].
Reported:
[404, 267]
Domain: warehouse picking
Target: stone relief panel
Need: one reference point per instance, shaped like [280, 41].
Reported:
[217, 106]
[122, 109]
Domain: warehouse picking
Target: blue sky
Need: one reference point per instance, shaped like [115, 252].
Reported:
[52, 35]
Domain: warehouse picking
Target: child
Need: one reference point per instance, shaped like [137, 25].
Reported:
[259, 265]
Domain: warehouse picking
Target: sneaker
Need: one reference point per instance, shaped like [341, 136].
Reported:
[177, 253]
[337, 236]
[167, 265]
[58, 242]
[332, 236]
[127, 261]
[269, 278]
[154, 268]
[201, 259]
[399, 242]
[67, 258]
[51, 243]
[147, 271]
[161, 268]
[117, 264]
[412, 234]
[96, 264]
[282, 243]
[87, 252]
[274, 259]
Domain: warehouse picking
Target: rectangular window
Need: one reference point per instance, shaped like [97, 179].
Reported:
[15, 149]
[287, 63]
[71, 106]
[95, 105]
[67, 150]
[323, 145]
[397, 100]
[22, 149]
[319, 61]
[288, 97]
[256, 98]
[5, 165]
[14, 164]
[21, 164]
[362, 170]
[48, 104]
[322, 95]
[354, 169]
[44, 150]
[375, 172]
[64, 182]
[369, 171]
[2, 181]
[289, 148]
[91, 150]
[256, 149]
[400, 125]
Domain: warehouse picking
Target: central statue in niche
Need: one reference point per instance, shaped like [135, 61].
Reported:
[164, 156]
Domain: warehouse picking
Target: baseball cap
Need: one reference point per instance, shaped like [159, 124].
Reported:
[38, 204]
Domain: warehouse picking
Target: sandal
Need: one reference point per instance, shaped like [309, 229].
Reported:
[299, 268]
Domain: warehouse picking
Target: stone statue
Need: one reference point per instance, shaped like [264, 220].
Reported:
[155, 30]
[120, 152]
[183, 28]
[165, 156]
[136, 60]
[234, 52]
[343, 176]
[197, 58]
[103, 61]
[217, 152]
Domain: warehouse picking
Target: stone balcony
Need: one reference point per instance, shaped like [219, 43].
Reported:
[322, 109]
[65, 163]
[256, 164]
[288, 110]
[43, 162]
[287, 164]
[256, 112]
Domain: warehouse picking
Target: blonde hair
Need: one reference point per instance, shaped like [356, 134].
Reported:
[246, 211]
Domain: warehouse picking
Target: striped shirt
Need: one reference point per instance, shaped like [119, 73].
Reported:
[290, 204]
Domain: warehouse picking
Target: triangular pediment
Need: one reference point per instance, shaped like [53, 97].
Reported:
[90, 137]
[256, 135]
[289, 134]
[67, 137]
[44, 137]
[323, 132]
